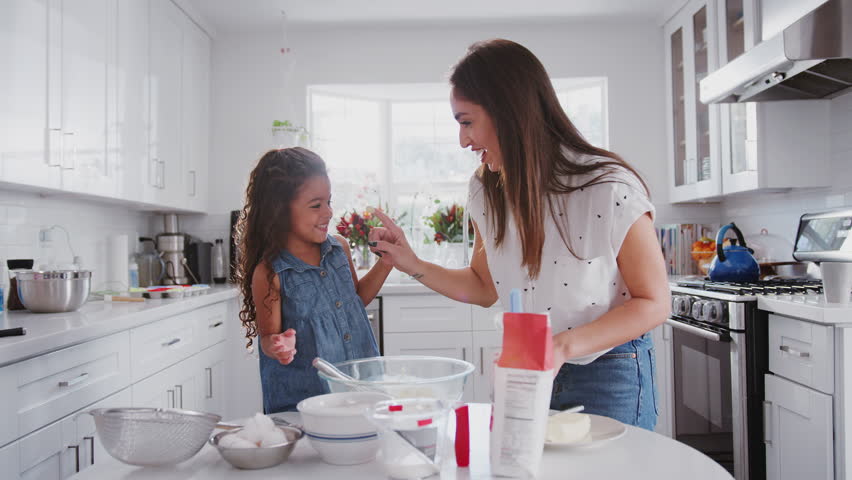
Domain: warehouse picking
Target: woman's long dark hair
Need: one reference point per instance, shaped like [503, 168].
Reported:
[512, 86]
[261, 231]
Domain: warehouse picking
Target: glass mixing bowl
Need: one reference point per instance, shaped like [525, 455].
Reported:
[404, 376]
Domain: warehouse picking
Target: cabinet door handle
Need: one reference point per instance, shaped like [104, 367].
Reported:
[54, 150]
[767, 423]
[68, 138]
[76, 457]
[192, 187]
[91, 448]
[481, 360]
[172, 403]
[792, 351]
[171, 342]
[179, 389]
[464, 354]
[209, 382]
[217, 324]
[74, 381]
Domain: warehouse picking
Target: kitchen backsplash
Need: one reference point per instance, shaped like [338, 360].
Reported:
[89, 224]
[779, 212]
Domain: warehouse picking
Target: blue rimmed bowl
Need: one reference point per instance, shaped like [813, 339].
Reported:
[337, 428]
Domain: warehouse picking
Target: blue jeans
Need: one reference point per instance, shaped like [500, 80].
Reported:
[620, 384]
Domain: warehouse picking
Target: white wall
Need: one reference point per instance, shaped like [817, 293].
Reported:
[779, 212]
[89, 224]
[249, 91]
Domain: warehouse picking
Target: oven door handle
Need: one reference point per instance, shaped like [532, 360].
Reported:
[707, 334]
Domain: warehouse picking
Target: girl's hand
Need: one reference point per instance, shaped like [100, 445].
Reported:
[391, 243]
[284, 346]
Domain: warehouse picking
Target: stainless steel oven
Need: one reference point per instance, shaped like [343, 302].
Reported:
[720, 354]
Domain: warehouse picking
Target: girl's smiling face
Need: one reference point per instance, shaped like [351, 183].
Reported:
[310, 211]
[476, 130]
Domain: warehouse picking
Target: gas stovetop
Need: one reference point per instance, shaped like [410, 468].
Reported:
[761, 287]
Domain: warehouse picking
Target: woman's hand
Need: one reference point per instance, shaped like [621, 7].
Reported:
[390, 242]
[284, 346]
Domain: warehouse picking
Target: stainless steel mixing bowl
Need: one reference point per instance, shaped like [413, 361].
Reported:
[53, 291]
[261, 457]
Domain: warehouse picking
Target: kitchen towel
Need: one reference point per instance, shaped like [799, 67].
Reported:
[117, 263]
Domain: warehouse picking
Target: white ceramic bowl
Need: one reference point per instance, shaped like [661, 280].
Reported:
[337, 428]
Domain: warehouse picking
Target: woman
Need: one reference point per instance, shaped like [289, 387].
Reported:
[567, 222]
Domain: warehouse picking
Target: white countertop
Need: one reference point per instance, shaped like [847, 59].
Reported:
[807, 307]
[47, 332]
[639, 454]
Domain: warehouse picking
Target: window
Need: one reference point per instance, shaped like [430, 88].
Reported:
[398, 145]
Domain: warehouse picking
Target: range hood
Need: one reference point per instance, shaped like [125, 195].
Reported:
[810, 59]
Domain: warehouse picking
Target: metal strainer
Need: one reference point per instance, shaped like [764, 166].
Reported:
[152, 437]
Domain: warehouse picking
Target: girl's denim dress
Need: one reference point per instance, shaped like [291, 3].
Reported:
[320, 303]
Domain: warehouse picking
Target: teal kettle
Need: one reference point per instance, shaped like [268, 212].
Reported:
[733, 263]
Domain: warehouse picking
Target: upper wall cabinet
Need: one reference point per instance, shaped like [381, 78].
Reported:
[715, 150]
[195, 107]
[693, 128]
[23, 100]
[105, 98]
[769, 145]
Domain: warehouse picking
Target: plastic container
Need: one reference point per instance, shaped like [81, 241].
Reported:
[132, 273]
[218, 259]
[412, 435]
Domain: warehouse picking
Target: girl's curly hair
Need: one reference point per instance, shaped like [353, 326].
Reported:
[264, 222]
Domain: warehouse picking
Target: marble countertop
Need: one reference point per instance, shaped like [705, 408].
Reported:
[639, 454]
[47, 332]
[808, 307]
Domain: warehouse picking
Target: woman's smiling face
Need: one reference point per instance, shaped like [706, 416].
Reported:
[476, 130]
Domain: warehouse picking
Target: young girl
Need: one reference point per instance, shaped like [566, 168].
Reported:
[300, 292]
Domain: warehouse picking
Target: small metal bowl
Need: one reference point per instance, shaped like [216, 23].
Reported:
[260, 457]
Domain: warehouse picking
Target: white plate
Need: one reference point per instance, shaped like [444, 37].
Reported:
[602, 430]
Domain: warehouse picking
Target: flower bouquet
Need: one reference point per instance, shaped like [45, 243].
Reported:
[447, 223]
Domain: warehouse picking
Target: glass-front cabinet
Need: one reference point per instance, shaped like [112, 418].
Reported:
[694, 152]
[769, 145]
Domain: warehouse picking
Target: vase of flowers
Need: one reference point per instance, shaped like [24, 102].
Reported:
[447, 222]
[356, 226]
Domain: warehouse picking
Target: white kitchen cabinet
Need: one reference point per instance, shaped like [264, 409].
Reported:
[424, 313]
[485, 319]
[165, 169]
[77, 93]
[798, 431]
[130, 119]
[662, 336]
[60, 449]
[693, 127]
[195, 114]
[487, 346]
[23, 100]
[769, 145]
[211, 373]
[458, 345]
[175, 387]
[158, 345]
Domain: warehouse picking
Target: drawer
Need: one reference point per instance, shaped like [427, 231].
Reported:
[158, 345]
[802, 352]
[43, 389]
[211, 324]
[486, 318]
[424, 313]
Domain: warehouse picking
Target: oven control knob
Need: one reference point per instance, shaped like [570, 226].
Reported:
[714, 311]
[681, 305]
[698, 309]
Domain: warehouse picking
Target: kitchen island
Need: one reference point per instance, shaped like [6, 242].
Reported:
[639, 454]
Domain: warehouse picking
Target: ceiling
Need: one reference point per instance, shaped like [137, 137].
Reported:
[237, 16]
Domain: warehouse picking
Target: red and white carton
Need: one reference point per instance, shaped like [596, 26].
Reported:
[523, 379]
